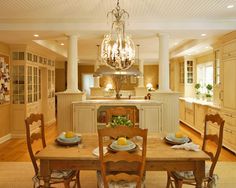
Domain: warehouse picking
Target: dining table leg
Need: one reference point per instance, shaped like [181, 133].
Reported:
[45, 172]
[199, 173]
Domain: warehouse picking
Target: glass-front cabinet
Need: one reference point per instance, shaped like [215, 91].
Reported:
[18, 82]
[33, 88]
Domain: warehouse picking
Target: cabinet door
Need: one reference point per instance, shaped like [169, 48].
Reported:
[151, 118]
[84, 119]
[229, 84]
[200, 111]
[182, 110]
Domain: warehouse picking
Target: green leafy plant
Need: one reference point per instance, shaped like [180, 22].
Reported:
[197, 86]
[120, 121]
[209, 87]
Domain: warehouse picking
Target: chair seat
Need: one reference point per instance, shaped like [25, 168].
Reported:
[56, 176]
[189, 175]
[120, 184]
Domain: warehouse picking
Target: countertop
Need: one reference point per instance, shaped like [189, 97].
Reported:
[201, 102]
[118, 101]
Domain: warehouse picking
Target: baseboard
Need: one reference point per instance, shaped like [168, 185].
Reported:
[18, 135]
[5, 138]
[49, 123]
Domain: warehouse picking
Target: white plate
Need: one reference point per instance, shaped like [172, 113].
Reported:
[130, 145]
[74, 139]
[172, 138]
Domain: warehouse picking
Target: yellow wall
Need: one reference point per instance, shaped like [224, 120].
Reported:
[151, 75]
[4, 108]
[60, 81]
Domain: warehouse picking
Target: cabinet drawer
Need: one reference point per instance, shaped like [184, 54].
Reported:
[229, 136]
[212, 111]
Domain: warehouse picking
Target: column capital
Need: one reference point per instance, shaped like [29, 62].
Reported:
[72, 34]
[162, 34]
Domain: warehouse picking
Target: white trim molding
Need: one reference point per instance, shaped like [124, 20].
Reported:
[5, 138]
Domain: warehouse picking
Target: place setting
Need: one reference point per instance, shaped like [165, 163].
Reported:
[68, 138]
[120, 144]
[180, 141]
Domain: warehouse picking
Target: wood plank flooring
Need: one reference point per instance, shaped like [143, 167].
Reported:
[16, 149]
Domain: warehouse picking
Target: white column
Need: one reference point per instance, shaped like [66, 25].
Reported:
[72, 65]
[140, 79]
[96, 79]
[164, 62]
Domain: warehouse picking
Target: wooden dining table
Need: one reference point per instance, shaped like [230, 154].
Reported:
[160, 157]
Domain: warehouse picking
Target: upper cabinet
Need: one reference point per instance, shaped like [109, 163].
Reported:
[228, 84]
[189, 71]
[189, 65]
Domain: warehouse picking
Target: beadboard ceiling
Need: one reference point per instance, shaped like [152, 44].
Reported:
[53, 20]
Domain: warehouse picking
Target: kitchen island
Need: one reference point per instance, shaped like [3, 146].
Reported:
[85, 113]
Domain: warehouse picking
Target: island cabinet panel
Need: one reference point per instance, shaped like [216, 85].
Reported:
[90, 115]
[84, 119]
[151, 117]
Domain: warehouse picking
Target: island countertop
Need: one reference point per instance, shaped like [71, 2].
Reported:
[118, 101]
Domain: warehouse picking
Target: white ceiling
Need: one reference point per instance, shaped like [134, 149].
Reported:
[183, 20]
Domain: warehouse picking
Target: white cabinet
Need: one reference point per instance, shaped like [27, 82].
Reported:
[84, 118]
[229, 137]
[150, 117]
[182, 110]
[30, 80]
[229, 84]
[85, 114]
[199, 117]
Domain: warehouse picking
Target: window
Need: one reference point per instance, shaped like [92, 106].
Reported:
[205, 75]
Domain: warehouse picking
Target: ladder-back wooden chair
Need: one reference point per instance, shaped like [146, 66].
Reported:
[35, 142]
[121, 168]
[213, 134]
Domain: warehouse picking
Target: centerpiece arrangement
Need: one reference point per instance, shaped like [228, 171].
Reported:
[120, 121]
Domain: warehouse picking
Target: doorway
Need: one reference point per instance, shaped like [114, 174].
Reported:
[87, 82]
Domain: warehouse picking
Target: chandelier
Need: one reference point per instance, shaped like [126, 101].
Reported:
[117, 49]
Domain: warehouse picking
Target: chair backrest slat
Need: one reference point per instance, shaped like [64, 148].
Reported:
[215, 121]
[126, 158]
[31, 137]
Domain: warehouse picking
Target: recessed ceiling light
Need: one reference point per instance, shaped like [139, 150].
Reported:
[62, 44]
[203, 34]
[230, 6]
[36, 35]
[175, 43]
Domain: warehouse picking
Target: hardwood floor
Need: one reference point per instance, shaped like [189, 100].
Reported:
[16, 149]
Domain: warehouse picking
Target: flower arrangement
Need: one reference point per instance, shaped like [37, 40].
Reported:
[120, 121]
